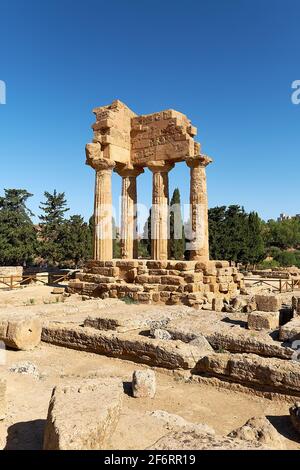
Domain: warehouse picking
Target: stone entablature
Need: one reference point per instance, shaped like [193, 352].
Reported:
[126, 143]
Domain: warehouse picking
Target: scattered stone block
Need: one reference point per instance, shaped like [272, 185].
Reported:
[2, 399]
[263, 320]
[291, 330]
[268, 303]
[20, 331]
[296, 305]
[259, 429]
[270, 374]
[82, 415]
[217, 304]
[159, 333]
[144, 383]
[58, 290]
[295, 416]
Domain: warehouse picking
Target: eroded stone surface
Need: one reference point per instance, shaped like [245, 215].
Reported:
[195, 440]
[83, 414]
[267, 373]
[268, 303]
[259, 429]
[20, 331]
[263, 320]
[143, 383]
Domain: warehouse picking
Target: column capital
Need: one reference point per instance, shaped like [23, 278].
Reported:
[94, 157]
[199, 160]
[160, 166]
[128, 170]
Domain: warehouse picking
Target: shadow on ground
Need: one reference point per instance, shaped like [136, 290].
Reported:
[284, 426]
[26, 436]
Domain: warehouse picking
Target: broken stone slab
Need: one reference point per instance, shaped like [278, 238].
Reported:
[2, 399]
[143, 383]
[176, 422]
[291, 330]
[196, 440]
[159, 333]
[295, 416]
[83, 415]
[268, 374]
[263, 320]
[259, 429]
[20, 331]
[133, 320]
[58, 290]
[240, 341]
[224, 336]
[130, 345]
[217, 304]
[296, 304]
[268, 303]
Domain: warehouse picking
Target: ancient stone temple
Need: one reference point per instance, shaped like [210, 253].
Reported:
[128, 144]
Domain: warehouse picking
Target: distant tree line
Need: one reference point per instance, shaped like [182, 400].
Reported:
[58, 240]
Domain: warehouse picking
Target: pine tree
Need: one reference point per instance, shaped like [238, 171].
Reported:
[177, 241]
[18, 240]
[75, 240]
[52, 226]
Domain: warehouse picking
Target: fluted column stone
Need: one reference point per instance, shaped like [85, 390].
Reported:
[199, 245]
[128, 232]
[160, 209]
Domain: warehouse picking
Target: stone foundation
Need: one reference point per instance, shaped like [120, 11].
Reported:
[151, 281]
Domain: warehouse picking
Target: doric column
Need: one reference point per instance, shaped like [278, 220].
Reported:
[199, 248]
[103, 236]
[129, 241]
[160, 209]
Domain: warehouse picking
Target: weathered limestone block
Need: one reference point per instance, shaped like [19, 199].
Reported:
[58, 290]
[2, 399]
[83, 415]
[269, 373]
[172, 280]
[263, 320]
[259, 429]
[291, 330]
[159, 333]
[295, 416]
[157, 264]
[268, 303]
[144, 383]
[238, 340]
[217, 304]
[296, 304]
[20, 331]
[129, 345]
[199, 440]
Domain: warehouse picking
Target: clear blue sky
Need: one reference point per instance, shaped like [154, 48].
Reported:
[227, 64]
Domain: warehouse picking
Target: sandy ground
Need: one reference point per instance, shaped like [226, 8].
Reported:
[28, 396]
[28, 399]
[27, 296]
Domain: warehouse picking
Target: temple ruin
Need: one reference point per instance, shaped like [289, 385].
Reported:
[127, 144]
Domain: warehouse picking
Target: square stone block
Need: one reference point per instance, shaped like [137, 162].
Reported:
[263, 320]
